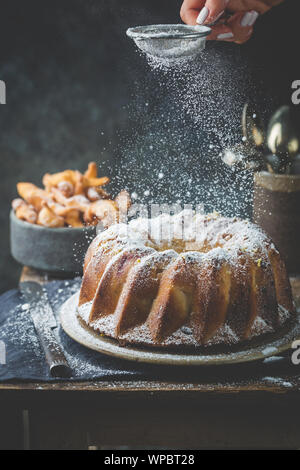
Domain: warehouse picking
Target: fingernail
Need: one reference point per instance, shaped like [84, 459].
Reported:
[225, 36]
[249, 18]
[254, 18]
[202, 15]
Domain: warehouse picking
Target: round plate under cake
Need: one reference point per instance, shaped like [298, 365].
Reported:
[269, 345]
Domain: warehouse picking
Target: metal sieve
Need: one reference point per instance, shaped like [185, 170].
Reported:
[170, 41]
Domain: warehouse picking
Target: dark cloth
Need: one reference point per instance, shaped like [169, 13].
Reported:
[25, 359]
[24, 356]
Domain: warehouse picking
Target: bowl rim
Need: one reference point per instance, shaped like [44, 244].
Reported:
[148, 31]
[15, 219]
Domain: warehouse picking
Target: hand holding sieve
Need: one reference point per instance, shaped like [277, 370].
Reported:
[170, 41]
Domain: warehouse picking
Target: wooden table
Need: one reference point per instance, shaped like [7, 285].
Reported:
[138, 414]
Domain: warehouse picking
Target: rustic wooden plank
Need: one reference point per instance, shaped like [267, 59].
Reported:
[11, 427]
[221, 425]
[153, 387]
[59, 429]
[30, 274]
[220, 422]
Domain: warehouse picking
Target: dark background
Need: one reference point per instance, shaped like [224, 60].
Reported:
[76, 91]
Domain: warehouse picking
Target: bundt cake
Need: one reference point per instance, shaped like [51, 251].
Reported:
[184, 280]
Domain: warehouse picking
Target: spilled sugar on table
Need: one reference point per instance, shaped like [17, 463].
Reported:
[210, 412]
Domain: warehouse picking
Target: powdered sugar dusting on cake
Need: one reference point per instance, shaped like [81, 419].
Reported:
[260, 327]
[106, 325]
[267, 347]
[196, 232]
[84, 311]
[284, 315]
[225, 335]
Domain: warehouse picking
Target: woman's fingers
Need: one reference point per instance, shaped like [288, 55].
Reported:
[239, 28]
[201, 11]
[249, 5]
[242, 24]
[190, 11]
[212, 10]
[221, 33]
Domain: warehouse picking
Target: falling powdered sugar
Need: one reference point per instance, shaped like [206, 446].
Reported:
[184, 113]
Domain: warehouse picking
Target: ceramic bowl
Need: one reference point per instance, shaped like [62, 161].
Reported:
[57, 251]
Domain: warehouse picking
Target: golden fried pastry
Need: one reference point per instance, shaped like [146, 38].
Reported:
[88, 182]
[33, 195]
[47, 218]
[53, 180]
[70, 198]
[104, 211]
[123, 200]
[78, 201]
[91, 171]
[93, 194]
[59, 209]
[66, 188]
[78, 183]
[73, 218]
[16, 203]
[25, 211]
[102, 193]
